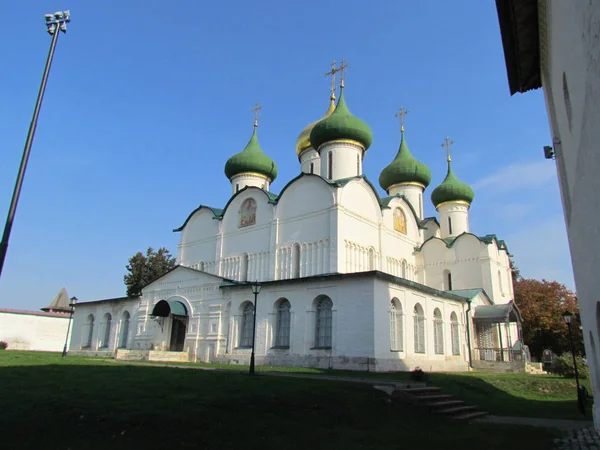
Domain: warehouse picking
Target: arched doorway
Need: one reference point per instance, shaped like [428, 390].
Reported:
[177, 312]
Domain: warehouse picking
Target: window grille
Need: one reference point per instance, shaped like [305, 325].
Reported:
[246, 326]
[396, 330]
[323, 325]
[455, 336]
[438, 332]
[419, 319]
[282, 332]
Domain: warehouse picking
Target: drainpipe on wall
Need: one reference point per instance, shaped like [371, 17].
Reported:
[468, 332]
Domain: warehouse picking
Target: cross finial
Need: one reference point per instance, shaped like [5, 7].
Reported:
[344, 65]
[256, 109]
[332, 72]
[448, 144]
[400, 114]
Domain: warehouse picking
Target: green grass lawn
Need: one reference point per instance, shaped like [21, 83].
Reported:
[521, 395]
[48, 402]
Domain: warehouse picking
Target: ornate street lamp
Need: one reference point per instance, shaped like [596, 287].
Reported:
[72, 305]
[568, 318]
[54, 24]
[255, 290]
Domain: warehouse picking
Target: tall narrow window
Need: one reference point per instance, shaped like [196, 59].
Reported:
[124, 330]
[454, 333]
[90, 331]
[447, 277]
[357, 164]
[282, 330]
[500, 283]
[396, 329]
[323, 324]
[438, 332]
[419, 325]
[312, 168]
[330, 165]
[246, 327]
[449, 225]
[107, 327]
[420, 206]
[237, 187]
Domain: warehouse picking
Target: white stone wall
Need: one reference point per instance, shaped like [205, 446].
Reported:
[33, 332]
[118, 311]
[571, 79]
[243, 180]
[310, 161]
[454, 219]
[346, 159]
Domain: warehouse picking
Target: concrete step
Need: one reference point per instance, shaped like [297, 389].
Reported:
[445, 404]
[457, 410]
[421, 390]
[470, 415]
[434, 397]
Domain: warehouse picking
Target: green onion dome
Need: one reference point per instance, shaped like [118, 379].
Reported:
[452, 190]
[404, 169]
[341, 125]
[251, 160]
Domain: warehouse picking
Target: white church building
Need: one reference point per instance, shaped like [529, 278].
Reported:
[349, 280]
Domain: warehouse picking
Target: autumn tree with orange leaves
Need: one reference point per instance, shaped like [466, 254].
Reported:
[542, 304]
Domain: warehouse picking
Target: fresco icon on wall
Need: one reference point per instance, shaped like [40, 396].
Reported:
[247, 213]
[399, 221]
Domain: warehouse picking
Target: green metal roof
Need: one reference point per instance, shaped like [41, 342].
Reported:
[487, 239]
[452, 190]
[341, 124]
[217, 212]
[251, 159]
[405, 168]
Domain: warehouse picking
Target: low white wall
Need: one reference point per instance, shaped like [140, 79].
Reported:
[30, 330]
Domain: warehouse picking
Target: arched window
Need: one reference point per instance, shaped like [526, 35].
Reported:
[124, 330]
[399, 220]
[357, 164]
[449, 225]
[372, 261]
[107, 327]
[454, 333]
[282, 327]
[323, 322]
[396, 328]
[330, 165]
[90, 323]
[438, 332]
[247, 325]
[419, 323]
[312, 168]
[447, 276]
[500, 283]
[247, 213]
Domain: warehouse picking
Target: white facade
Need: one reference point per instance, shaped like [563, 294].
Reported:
[571, 78]
[33, 330]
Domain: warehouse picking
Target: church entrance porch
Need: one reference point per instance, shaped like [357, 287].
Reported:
[497, 334]
[173, 319]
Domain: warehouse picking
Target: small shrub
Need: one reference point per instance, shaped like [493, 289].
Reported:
[417, 374]
[3, 345]
[563, 366]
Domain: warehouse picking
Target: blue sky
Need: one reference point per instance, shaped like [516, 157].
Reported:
[146, 101]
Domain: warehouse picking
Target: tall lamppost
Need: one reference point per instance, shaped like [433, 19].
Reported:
[72, 305]
[255, 290]
[54, 24]
[568, 317]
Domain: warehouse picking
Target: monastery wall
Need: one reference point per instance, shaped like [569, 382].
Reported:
[29, 330]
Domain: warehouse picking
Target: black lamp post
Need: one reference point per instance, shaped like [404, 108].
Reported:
[568, 317]
[55, 23]
[255, 290]
[72, 305]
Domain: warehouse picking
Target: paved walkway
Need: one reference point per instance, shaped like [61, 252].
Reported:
[582, 439]
[561, 424]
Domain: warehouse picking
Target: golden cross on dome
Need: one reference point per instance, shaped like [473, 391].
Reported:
[256, 109]
[400, 114]
[448, 144]
[343, 65]
[332, 72]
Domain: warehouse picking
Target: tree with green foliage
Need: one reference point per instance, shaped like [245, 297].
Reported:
[514, 271]
[143, 269]
[542, 304]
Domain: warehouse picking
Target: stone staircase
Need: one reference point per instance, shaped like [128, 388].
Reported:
[431, 398]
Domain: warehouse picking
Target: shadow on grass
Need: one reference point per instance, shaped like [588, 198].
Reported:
[87, 406]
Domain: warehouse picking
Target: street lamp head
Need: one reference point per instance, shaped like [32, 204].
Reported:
[567, 317]
[49, 17]
[59, 14]
[73, 302]
[256, 287]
